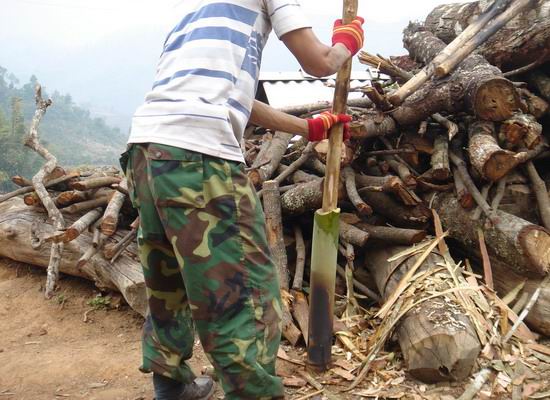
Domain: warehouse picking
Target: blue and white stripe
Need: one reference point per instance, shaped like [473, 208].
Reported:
[207, 75]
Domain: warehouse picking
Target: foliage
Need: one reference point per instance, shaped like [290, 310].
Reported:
[68, 131]
[100, 302]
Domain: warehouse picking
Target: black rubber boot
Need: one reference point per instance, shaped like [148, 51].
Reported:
[202, 388]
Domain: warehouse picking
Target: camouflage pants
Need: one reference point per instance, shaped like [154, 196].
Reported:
[207, 267]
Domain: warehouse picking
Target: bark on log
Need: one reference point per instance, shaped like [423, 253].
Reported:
[389, 184]
[306, 197]
[275, 239]
[86, 205]
[525, 247]
[15, 243]
[523, 40]
[353, 235]
[541, 83]
[269, 158]
[522, 130]
[402, 171]
[533, 104]
[390, 234]
[274, 230]
[351, 189]
[78, 227]
[298, 176]
[437, 338]
[71, 197]
[541, 192]
[475, 85]
[505, 281]
[487, 157]
[373, 124]
[441, 170]
[110, 218]
[48, 185]
[94, 183]
[398, 214]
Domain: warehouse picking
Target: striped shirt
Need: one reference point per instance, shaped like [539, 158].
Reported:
[208, 72]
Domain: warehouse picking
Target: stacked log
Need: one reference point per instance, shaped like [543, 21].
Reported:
[469, 147]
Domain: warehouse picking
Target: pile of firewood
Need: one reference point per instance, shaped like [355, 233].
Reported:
[454, 138]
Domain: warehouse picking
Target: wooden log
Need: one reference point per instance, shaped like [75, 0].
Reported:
[514, 8]
[487, 157]
[533, 104]
[373, 124]
[300, 307]
[109, 223]
[392, 235]
[353, 235]
[541, 82]
[305, 197]
[269, 158]
[441, 169]
[71, 197]
[347, 153]
[292, 168]
[451, 55]
[506, 281]
[389, 184]
[94, 183]
[124, 276]
[518, 200]
[274, 230]
[398, 214]
[32, 199]
[86, 205]
[541, 192]
[351, 189]
[38, 180]
[78, 227]
[475, 86]
[113, 250]
[402, 171]
[21, 181]
[522, 130]
[48, 185]
[523, 40]
[525, 247]
[437, 338]
[464, 177]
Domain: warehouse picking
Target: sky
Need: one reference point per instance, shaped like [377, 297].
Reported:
[104, 52]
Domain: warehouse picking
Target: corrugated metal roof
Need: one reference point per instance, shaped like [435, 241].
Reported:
[302, 76]
[285, 89]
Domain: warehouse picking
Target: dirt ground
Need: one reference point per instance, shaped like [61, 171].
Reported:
[47, 351]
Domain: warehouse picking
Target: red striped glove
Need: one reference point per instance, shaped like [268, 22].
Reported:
[350, 35]
[320, 126]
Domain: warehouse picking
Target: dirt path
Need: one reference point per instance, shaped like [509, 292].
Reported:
[47, 351]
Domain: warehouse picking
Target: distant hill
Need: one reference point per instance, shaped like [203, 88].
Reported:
[67, 130]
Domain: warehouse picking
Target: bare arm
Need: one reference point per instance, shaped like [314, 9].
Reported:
[270, 118]
[315, 57]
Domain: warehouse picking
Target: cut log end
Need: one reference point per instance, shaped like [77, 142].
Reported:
[496, 100]
[448, 355]
[536, 241]
[499, 164]
[255, 177]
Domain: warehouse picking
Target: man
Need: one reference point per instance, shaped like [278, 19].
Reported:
[201, 240]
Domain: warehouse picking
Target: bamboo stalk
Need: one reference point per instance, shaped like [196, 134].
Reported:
[325, 231]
